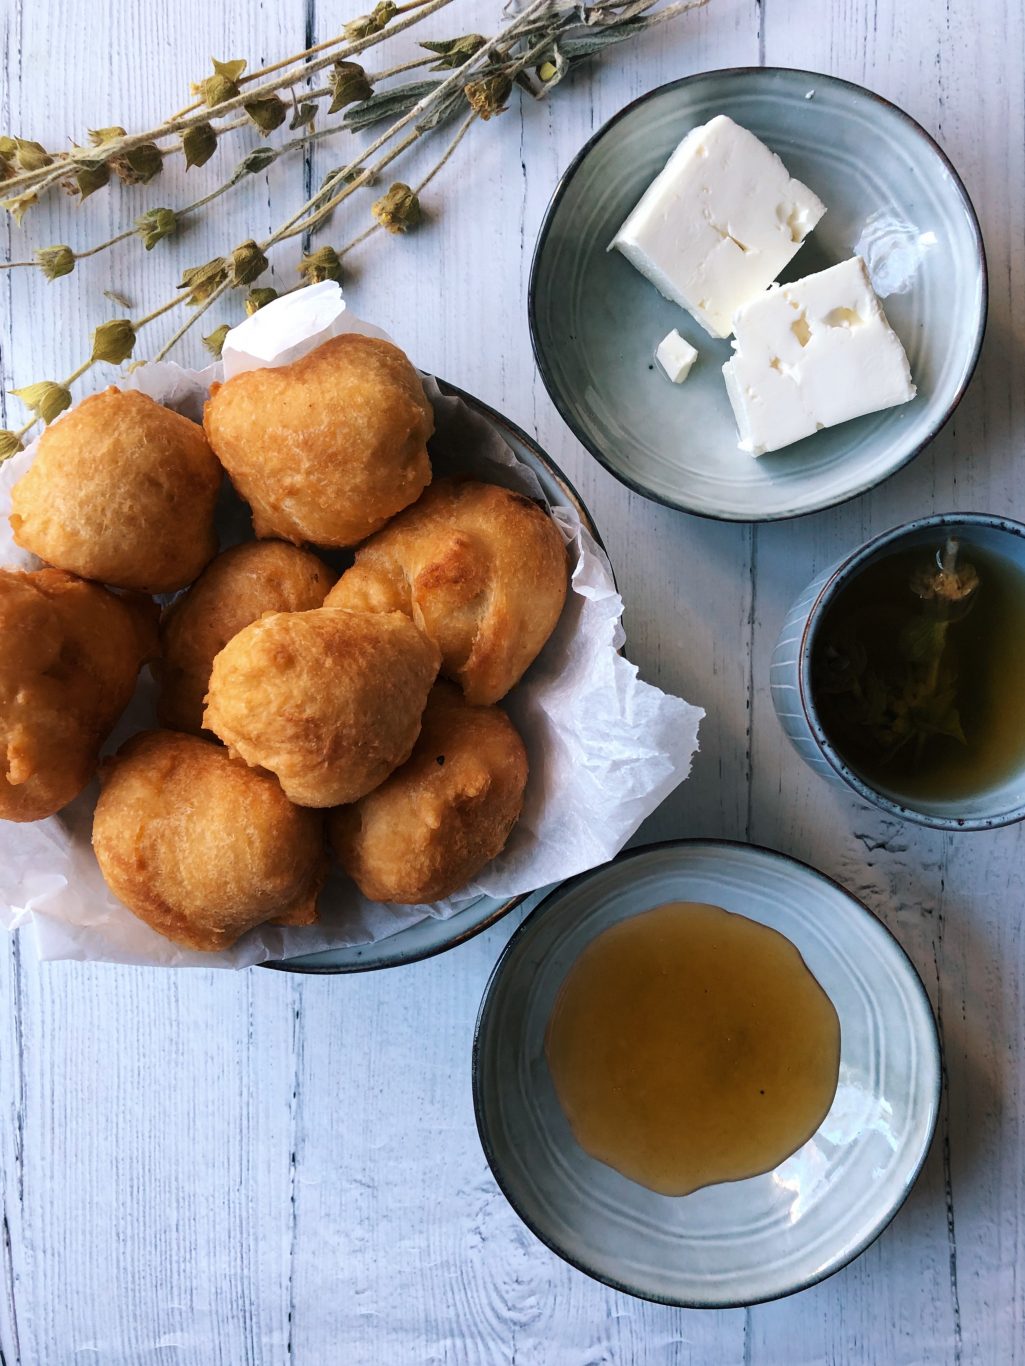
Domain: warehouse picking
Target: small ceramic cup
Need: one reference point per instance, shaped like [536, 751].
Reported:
[791, 669]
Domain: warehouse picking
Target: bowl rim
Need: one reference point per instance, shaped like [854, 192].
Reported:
[397, 958]
[546, 372]
[548, 904]
[837, 578]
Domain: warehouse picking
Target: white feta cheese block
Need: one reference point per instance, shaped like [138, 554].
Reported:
[675, 355]
[812, 354]
[718, 223]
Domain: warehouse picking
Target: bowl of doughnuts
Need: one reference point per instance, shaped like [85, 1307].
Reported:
[274, 681]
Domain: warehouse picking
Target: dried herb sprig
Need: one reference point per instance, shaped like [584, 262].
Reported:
[481, 74]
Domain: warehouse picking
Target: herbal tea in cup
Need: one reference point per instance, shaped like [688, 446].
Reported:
[910, 658]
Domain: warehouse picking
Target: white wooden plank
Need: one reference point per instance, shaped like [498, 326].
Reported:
[267, 1170]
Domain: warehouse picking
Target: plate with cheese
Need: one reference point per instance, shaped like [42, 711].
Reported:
[758, 292]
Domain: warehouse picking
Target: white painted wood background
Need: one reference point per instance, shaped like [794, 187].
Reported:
[199, 1167]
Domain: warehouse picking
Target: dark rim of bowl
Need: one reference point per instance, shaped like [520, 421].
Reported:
[547, 375]
[400, 958]
[842, 575]
[548, 904]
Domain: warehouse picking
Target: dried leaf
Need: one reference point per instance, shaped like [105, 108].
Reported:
[255, 161]
[303, 116]
[8, 147]
[139, 165]
[19, 205]
[114, 341]
[222, 85]
[398, 210]
[199, 144]
[99, 136]
[46, 399]
[338, 177]
[214, 341]
[348, 83]
[118, 298]
[247, 263]
[10, 444]
[388, 104]
[259, 298]
[154, 225]
[30, 156]
[268, 112]
[90, 177]
[323, 264]
[202, 281]
[455, 52]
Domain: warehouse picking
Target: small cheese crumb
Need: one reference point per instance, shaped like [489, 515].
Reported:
[813, 354]
[719, 223]
[675, 355]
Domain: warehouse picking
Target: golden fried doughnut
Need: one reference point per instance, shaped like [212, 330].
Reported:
[481, 570]
[329, 701]
[233, 590]
[122, 490]
[433, 825]
[201, 847]
[328, 448]
[69, 655]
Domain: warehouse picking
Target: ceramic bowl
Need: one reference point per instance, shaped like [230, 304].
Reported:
[891, 194]
[739, 1242]
[793, 696]
[430, 936]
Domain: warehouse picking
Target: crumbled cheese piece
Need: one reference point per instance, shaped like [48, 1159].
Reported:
[675, 355]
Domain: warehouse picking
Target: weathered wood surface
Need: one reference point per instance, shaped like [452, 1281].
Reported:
[199, 1168]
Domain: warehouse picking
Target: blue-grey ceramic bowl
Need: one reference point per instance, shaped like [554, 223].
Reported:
[738, 1242]
[595, 321]
[790, 672]
[430, 936]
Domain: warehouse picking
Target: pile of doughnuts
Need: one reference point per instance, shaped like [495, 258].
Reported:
[300, 712]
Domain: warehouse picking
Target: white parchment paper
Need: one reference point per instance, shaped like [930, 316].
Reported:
[604, 748]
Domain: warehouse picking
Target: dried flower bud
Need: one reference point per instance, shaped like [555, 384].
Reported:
[367, 24]
[31, 156]
[91, 176]
[114, 342]
[546, 71]
[222, 85]
[488, 96]
[199, 144]
[47, 399]
[323, 264]
[6, 169]
[303, 116]
[255, 161]
[99, 136]
[214, 341]
[154, 225]
[55, 261]
[8, 147]
[259, 298]
[268, 112]
[454, 52]
[247, 263]
[19, 205]
[10, 444]
[348, 84]
[202, 281]
[139, 165]
[398, 210]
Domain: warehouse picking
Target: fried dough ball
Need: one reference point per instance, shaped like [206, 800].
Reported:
[69, 655]
[122, 490]
[434, 824]
[329, 701]
[481, 570]
[235, 589]
[328, 448]
[201, 847]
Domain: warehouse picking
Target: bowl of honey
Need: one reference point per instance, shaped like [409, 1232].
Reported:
[705, 1074]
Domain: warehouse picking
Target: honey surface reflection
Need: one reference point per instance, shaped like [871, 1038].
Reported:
[689, 1045]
